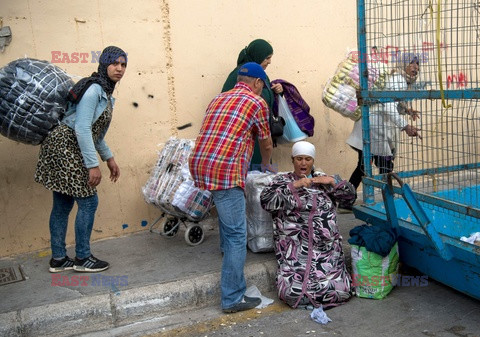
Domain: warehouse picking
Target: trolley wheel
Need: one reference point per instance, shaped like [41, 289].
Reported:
[170, 227]
[194, 235]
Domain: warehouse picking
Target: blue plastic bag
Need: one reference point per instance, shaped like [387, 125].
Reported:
[291, 131]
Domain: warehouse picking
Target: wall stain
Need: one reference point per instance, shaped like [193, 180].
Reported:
[31, 28]
[181, 127]
[100, 22]
[172, 101]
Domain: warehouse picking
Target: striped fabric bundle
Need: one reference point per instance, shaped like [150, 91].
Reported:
[33, 98]
[170, 186]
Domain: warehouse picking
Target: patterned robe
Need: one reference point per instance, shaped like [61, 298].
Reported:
[308, 248]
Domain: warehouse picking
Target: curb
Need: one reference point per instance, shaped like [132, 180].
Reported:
[112, 310]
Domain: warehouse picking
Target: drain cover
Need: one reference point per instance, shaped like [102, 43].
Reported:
[10, 275]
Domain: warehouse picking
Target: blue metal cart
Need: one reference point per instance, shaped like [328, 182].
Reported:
[432, 195]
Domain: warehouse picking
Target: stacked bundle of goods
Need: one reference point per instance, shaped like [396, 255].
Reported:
[170, 186]
[33, 98]
[339, 93]
[259, 221]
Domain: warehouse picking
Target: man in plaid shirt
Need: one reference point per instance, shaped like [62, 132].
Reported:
[219, 163]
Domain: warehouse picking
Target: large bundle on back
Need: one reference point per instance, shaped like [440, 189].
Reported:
[33, 98]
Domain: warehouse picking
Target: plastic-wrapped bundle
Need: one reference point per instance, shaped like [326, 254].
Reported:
[171, 187]
[259, 221]
[191, 200]
[33, 98]
[339, 93]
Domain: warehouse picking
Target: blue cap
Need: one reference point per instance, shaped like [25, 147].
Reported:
[253, 69]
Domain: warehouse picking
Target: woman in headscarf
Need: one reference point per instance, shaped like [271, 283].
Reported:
[261, 52]
[308, 245]
[386, 121]
[68, 164]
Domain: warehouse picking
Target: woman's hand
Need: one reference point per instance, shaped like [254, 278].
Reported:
[307, 182]
[94, 176]
[412, 131]
[114, 169]
[415, 114]
[304, 182]
[324, 180]
[277, 88]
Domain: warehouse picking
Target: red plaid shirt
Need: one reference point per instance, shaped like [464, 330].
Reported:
[224, 147]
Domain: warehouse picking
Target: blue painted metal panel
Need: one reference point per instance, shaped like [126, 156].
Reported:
[461, 272]
[374, 97]
[448, 199]
[436, 170]
[425, 223]
[429, 225]
[458, 274]
[363, 72]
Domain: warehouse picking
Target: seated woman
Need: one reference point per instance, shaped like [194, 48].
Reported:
[308, 245]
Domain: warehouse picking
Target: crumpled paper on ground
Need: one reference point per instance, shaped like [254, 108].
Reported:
[253, 291]
[319, 316]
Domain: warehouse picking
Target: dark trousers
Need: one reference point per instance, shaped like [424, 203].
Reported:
[384, 164]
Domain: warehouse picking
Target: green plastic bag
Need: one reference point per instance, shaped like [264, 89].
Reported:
[372, 273]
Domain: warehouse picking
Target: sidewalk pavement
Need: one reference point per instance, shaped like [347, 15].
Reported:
[151, 282]
[150, 276]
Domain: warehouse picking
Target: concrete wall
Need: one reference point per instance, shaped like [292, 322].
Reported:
[180, 53]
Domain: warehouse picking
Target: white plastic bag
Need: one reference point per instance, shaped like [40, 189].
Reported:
[291, 131]
[253, 291]
[259, 221]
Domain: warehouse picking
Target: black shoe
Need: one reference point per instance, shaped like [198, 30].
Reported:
[57, 266]
[90, 265]
[245, 304]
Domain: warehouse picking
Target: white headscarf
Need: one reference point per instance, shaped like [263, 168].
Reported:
[303, 148]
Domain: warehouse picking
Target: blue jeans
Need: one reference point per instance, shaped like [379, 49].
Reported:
[62, 206]
[230, 205]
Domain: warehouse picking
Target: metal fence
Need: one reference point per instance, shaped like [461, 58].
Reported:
[422, 174]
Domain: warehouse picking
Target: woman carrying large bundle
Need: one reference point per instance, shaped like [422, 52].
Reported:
[68, 164]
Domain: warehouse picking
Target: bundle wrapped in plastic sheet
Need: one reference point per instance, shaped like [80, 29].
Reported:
[259, 221]
[32, 99]
[339, 93]
[171, 187]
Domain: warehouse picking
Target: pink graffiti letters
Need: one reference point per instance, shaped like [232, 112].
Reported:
[459, 79]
